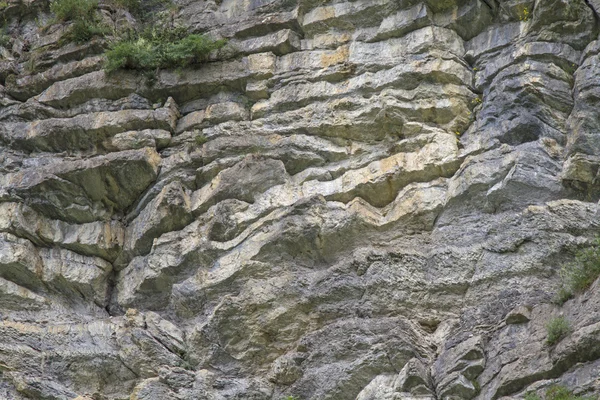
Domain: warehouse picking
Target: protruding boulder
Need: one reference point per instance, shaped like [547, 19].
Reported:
[169, 211]
[82, 191]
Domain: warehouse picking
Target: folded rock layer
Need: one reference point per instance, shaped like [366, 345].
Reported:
[353, 199]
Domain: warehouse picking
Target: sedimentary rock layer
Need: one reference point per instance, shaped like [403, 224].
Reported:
[363, 199]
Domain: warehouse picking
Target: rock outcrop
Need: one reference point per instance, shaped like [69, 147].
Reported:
[354, 199]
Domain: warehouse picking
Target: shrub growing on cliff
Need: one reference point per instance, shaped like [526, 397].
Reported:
[86, 24]
[192, 49]
[557, 329]
[579, 275]
[129, 54]
[83, 31]
[73, 10]
[167, 49]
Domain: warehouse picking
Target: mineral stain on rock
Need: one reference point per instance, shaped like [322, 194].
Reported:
[354, 199]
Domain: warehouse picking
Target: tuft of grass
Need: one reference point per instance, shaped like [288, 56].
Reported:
[192, 49]
[86, 24]
[73, 10]
[562, 296]
[153, 49]
[32, 64]
[558, 392]
[200, 138]
[578, 276]
[557, 328]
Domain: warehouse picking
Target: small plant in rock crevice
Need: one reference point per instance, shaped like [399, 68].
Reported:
[86, 23]
[159, 45]
[83, 31]
[579, 275]
[562, 296]
[557, 329]
[524, 15]
[199, 137]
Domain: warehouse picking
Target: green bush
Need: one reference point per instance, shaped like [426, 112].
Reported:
[166, 49]
[557, 329]
[579, 275]
[128, 54]
[83, 31]
[73, 10]
[86, 24]
[562, 393]
[193, 49]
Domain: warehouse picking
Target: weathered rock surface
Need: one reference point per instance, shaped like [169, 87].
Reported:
[362, 199]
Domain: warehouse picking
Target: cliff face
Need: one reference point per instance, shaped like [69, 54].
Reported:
[353, 200]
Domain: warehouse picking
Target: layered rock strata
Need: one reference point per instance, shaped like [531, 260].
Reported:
[363, 199]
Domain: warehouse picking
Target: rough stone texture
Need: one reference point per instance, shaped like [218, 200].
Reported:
[365, 199]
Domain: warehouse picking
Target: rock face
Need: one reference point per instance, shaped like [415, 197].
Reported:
[365, 199]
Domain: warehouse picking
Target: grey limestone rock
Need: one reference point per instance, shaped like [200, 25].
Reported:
[355, 199]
